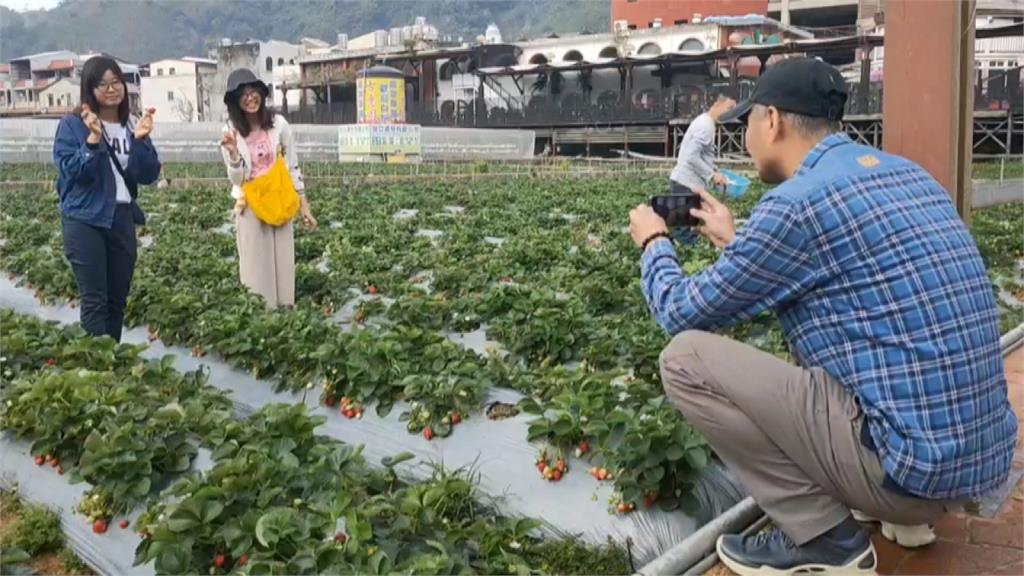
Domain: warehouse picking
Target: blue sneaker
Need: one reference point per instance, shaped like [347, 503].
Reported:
[845, 549]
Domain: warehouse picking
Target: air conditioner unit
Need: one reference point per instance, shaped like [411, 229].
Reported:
[656, 23]
[620, 26]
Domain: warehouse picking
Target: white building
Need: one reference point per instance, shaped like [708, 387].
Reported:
[60, 96]
[180, 89]
[263, 58]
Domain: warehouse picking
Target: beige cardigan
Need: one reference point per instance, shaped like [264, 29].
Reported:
[281, 134]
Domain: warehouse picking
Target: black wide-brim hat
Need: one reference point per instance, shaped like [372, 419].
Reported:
[241, 78]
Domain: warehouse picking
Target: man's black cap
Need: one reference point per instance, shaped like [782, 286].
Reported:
[805, 86]
[239, 79]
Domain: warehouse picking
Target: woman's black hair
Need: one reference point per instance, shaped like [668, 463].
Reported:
[239, 119]
[92, 75]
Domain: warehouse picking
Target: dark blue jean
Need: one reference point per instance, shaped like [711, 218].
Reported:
[103, 262]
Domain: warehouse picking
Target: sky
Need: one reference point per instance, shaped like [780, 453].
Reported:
[21, 5]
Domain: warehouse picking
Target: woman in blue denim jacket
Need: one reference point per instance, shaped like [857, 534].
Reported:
[102, 156]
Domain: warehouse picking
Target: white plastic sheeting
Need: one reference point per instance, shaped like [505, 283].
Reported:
[496, 450]
[27, 140]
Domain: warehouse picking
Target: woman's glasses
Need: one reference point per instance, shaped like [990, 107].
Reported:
[109, 86]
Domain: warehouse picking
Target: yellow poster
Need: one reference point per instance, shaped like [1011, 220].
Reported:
[381, 100]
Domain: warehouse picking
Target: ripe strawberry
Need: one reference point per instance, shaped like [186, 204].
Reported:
[51, 361]
[541, 467]
[99, 527]
[556, 475]
[456, 417]
[123, 524]
[39, 460]
[219, 560]
[242, 560]
[340, 538]
[371, 289]
[560, 465]
[584, 447]
[329, 401]
[593, 471]
[602, 474]
[150, 110]
[349, 413]
[428, 433]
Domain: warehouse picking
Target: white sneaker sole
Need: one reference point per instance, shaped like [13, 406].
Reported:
[914, 536]
[851, 568]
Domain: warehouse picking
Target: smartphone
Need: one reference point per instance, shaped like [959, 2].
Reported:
[674, 208]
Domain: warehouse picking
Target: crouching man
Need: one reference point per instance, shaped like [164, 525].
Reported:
[898, 408]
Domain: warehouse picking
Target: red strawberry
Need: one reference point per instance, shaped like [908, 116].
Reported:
[556, 475]
[541, 467]
[51, 361]
[340, 538]
[349, 413]
[150, 110]
[602, 474]
[242, 560]
[99, 527]
[371, 289]
[428, 433]
[456, 417]
[560, 465]
[39, 460]
[584, 447]
[329, 401]
[219, 560]
[123, 524]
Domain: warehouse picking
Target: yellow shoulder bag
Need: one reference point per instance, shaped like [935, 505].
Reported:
[271, 196]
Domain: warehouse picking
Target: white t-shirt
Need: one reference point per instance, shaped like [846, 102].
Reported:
[119, 140]
[696, 162]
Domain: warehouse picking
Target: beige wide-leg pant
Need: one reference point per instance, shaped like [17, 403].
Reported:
[266, 259]
[791, 435]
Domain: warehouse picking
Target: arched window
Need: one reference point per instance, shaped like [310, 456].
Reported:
[447, 70]
[539, 58]
[609, 52]
[270, 64]
[280, 61]
[573, 56]
[650, 48]
[691, 45]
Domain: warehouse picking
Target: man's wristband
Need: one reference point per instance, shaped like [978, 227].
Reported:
[652, 238]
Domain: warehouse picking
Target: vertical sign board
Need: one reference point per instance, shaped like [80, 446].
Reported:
[381, 100]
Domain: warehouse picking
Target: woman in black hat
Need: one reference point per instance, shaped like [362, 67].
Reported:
[266, 254]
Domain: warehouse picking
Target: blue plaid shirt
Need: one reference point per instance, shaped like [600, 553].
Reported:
[875, 279]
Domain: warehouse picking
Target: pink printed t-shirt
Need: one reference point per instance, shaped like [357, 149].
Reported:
[260, 151]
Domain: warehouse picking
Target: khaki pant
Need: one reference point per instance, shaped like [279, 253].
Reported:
[266, 259]
[790, 435]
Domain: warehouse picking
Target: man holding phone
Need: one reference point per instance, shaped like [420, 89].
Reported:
[899, 406]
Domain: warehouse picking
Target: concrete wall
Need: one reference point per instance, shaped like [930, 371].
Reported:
[642, 12]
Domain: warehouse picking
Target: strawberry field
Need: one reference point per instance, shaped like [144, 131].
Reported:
[420, 304]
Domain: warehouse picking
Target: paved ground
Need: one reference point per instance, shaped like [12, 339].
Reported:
[968, 544]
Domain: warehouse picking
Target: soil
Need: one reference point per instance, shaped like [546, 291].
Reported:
[48, 563]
